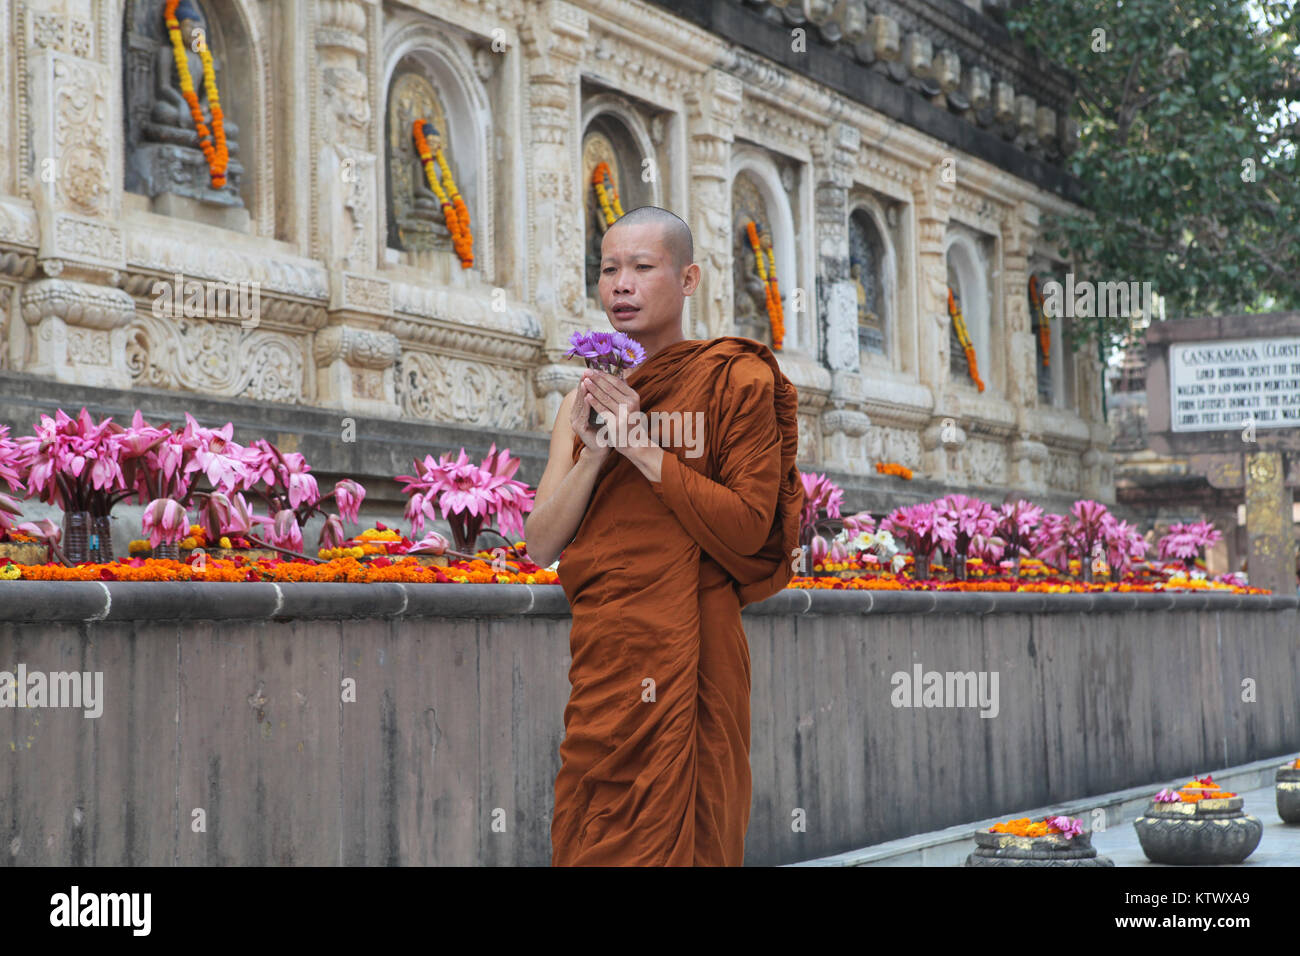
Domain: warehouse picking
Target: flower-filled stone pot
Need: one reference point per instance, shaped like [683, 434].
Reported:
[1198, 825]
[1287, 790]
[1055, 841]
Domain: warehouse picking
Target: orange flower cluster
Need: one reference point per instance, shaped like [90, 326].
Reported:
[1024, 827]
[17, 537]
[1044, 327]
[775, 311]
[963, 336]
[217, 154]
[892, 468]
[1206, 789]
[454, 211]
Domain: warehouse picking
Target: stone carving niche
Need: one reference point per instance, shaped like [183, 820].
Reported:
[868, 278]
[164, 160]
[759, 193]
[608, 139]
[416, 222]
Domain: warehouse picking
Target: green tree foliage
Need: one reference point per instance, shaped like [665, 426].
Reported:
[1189, 116]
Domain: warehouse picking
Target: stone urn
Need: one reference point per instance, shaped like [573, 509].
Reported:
[1288, 793]
[1053, 849]
[1209, 831]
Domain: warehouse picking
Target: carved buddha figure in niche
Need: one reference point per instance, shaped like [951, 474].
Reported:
[165, 152]
[750, 291]
[597, 148]
[417, 221]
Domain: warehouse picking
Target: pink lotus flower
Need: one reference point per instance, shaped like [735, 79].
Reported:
[223, 514]
[1124, 545]
[43, 530]
[12, 461]
[348, 496]
[860, 523]
[971, 518]
[820, 494]
[921, 527]
[1051, 542]
[9, 509]
[431, 543]
[1069, 827]
[467, 494]
[165, 520]
[819, 549]
[332, 534]
[213, 454]
[1016, 522]
[285, 532]
[1168, 796]
[1187, 542]
[1088, 530]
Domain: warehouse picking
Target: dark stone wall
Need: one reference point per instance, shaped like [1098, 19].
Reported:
[227, 698]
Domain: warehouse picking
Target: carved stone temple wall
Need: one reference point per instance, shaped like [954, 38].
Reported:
[320, 272]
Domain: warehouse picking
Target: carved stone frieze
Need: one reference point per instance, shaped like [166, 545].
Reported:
[76, 331]
[441, 388]
[215, 358]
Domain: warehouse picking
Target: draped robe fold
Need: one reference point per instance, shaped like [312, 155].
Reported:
[655, 758]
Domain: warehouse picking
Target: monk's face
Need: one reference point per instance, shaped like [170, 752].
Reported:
[642, 289]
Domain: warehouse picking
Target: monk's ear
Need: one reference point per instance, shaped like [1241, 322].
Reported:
[690, 279]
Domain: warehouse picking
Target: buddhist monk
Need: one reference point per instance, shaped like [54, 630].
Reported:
[663, 542]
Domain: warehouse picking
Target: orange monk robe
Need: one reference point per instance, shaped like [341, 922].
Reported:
[656, 577]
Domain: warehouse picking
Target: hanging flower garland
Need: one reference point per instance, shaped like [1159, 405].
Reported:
[454, 211]
[1044, 328]
[775, 311]
[963, 336]
[603, 180]
[217, 155]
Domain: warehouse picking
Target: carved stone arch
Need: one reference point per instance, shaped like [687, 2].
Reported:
[613, 127]
[755, 165]
[244, 83]
[448, 62]
[886, 272]
[968, 275]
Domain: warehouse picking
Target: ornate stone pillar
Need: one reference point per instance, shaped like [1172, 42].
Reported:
[76, 316]
[712, 113]
[553, 34]
[354, 360]
[1028, 455]
[837, 304]
[1271, 547]
[932, 197]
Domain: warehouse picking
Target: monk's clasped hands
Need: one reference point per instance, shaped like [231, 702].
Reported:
[622, 425]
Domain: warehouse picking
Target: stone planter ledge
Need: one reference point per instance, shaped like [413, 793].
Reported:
[91, 601]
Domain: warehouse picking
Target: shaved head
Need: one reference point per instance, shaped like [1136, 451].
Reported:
[676, 235]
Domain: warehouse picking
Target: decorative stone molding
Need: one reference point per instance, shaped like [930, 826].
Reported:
[354, 369]
[77, 332]
[1028, 465]
[843, 447]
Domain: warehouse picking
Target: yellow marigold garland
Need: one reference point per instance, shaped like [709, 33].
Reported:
[775, 311]
[1044, 327]
[963, 336]
[610, 207]
[454, 211]
[217, 155]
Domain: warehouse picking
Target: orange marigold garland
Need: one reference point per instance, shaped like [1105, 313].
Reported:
[216, 153]
[963, 336]
[893, 468]
[1044, 328]
[603, 182]
[454, 211]
[775, 310]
